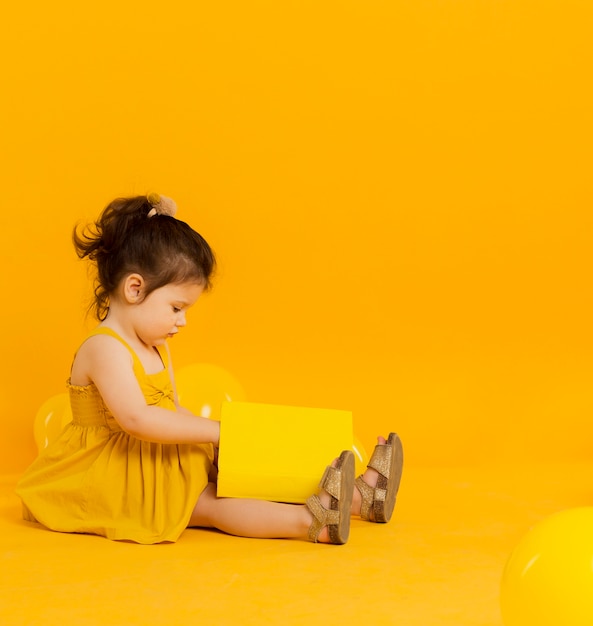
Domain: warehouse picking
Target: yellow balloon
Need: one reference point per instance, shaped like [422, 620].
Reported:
[361, 458]
[548, 579]
[50, 419]
[202, 388]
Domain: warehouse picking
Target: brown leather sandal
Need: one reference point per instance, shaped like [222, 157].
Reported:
[378, 503]
[338, 481]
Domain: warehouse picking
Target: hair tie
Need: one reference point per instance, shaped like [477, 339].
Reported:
[161, 205]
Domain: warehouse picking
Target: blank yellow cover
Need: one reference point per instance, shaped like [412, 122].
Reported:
[278, 453]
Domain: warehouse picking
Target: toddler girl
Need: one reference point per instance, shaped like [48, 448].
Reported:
[135, 465]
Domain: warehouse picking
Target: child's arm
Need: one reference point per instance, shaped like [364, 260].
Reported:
[109, 366]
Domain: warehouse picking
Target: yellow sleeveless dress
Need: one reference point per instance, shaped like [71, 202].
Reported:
[95, 478]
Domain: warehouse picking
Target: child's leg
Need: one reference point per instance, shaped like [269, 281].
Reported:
[252, 518]
[273, 520]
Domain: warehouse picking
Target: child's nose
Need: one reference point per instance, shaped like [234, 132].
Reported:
[181, 321]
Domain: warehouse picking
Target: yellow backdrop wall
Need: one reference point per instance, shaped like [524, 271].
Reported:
[398, 192]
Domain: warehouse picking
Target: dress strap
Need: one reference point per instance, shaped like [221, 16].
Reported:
[104, 330]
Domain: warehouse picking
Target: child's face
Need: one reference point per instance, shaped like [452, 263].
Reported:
[162, 313]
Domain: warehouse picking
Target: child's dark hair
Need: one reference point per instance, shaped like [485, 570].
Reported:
[160, 248]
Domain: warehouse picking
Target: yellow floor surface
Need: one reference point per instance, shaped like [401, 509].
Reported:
[439, 562]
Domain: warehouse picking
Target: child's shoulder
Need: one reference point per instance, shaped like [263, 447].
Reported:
[106, 342]
[104, 339]
[99, 350]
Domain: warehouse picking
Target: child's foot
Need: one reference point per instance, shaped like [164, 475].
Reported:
[330, 509]
[370, 477]
[376, 492]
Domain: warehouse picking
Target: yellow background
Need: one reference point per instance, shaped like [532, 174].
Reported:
[398, 192]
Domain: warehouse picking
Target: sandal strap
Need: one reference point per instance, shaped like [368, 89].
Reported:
[367, 494]
[381, 460]
[321, 517]
[331, 481]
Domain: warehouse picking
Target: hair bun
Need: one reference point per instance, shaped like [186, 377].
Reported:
[161, 205]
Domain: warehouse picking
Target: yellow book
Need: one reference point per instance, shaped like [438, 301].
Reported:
[278, 453]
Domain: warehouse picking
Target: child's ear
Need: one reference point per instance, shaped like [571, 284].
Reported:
[133, 288]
